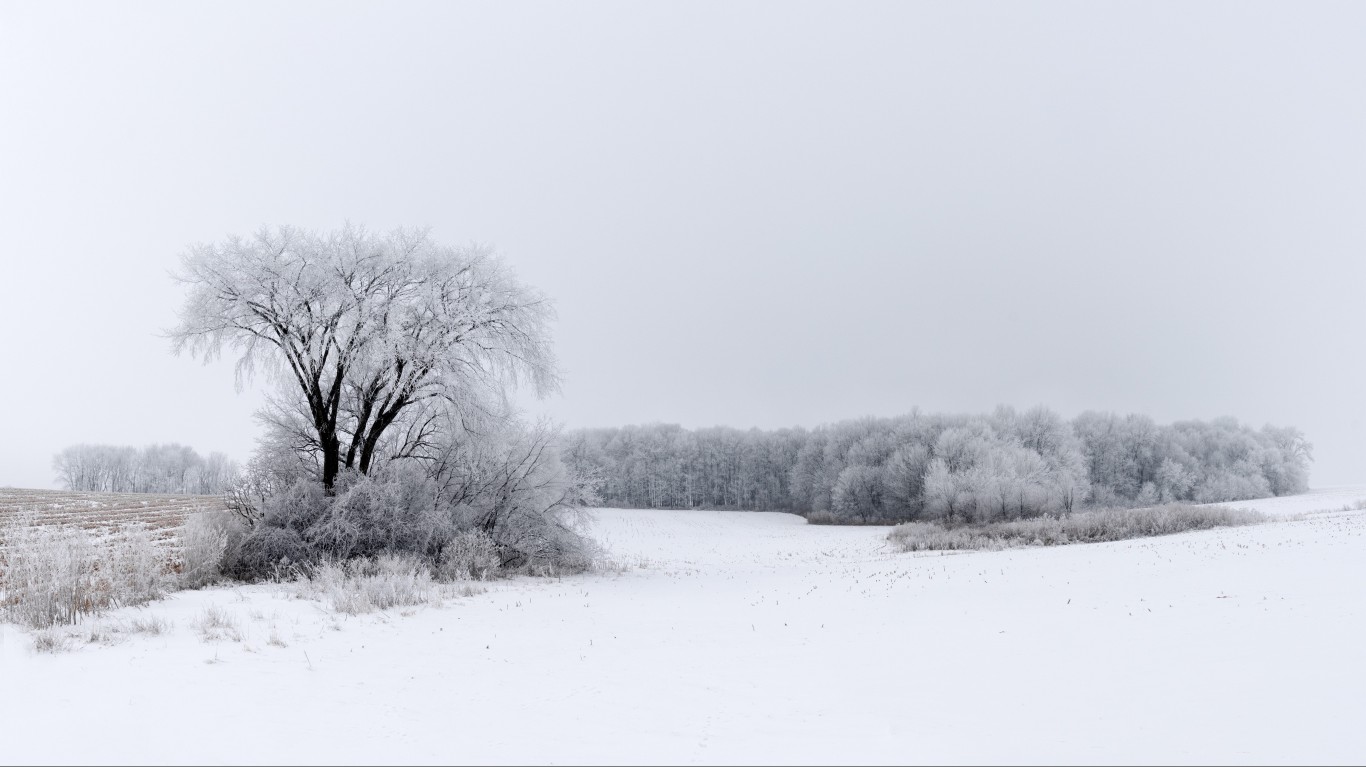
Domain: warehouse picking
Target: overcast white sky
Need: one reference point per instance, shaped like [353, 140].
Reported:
[753, 214]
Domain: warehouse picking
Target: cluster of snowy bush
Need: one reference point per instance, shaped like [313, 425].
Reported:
[1006, 465]
[496, 502]
[153, 469]
[55, 574]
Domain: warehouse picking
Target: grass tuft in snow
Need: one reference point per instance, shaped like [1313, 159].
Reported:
[51, 640]
[99, 633]
[364, 585]
[214, 624]
[150, 625]
[1081, 527]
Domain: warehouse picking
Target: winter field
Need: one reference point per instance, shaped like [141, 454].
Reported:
[723, 637]
[104, 511]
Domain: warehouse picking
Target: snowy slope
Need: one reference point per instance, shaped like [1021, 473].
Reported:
[1321, 501]
[753, 637]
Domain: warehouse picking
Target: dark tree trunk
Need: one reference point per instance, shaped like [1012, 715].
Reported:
[331, 460]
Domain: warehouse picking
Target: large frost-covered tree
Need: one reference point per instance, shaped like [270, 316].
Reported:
[380, 340]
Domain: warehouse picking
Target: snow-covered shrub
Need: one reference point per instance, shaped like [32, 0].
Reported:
[49, 574]
[297, 507]
[133, 569]
[556, 547]
[935, 536]
[392, 511]
[1120, 524]
[495, 498]
[267, 553]
[1081, 527]
[203, 543]
[362, 585]
[274, 468]
[470, 554]
[511, 485]
[55, 574]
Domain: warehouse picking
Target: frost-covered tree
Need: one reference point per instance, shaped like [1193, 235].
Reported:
[858, 494]
[379, 340]
[903, 479]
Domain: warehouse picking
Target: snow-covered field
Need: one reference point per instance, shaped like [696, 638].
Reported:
[103, 513]
[753, 637]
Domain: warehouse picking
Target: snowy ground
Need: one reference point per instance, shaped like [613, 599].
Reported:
[753, 637]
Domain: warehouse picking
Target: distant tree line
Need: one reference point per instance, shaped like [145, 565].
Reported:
[1006, 465]
[153, 469]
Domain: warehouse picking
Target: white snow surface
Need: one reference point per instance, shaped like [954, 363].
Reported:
[743, 637]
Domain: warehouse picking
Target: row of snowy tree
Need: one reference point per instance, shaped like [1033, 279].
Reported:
[169, 468]
[1003, 466]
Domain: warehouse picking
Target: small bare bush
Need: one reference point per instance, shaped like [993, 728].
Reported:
[1082, 527]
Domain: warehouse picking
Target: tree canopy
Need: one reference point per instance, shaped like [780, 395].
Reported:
[380, 341]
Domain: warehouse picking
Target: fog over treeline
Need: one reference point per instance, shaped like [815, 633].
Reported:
[1004, 465]
[168, 468]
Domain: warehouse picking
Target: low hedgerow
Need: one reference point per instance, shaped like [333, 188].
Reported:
[1081, 527]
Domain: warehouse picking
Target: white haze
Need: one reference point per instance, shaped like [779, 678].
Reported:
[749, 214]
